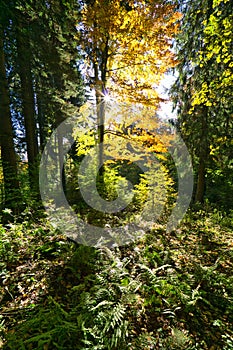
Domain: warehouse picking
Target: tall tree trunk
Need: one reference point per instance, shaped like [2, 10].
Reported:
[204, 147]
[61, 161]
[100, 125]
[8, 154]
[203, 157]
[200, 191]
[28, 104]
[60, 149]
[100, 107]
[41, 120]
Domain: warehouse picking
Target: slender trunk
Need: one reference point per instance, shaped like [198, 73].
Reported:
[200, 191]
[59, 118]
[100, 105]
[41, 121]
[61, 164]
[203, 157]
[8, 154]
[28, 104]
[204, 147]
[100, 77]
[100, 125]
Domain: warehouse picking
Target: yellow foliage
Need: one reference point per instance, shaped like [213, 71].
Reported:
[129, 49]
[85, 143]
[218, 41]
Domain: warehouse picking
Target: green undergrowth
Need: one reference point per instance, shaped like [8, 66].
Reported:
[165, 291]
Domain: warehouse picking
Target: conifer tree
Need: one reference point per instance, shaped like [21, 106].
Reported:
[202, 90]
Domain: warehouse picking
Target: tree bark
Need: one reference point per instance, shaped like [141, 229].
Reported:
[203, 157]
[41, 121]
[100, 125]
[8, 154]
[200, 191]
[28, 104]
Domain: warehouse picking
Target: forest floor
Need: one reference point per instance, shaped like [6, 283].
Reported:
[162, 292]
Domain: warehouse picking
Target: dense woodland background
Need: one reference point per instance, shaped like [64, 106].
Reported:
[102, 61]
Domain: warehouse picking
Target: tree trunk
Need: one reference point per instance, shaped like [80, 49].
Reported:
[41, 121]
[61, 164]
[28, 104]
[200, 191]
[8, 154]
[203, 157]
[100, 125]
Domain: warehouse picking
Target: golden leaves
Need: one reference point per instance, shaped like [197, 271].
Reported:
[132, 48]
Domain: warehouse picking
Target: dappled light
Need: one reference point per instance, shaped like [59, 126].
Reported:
[116, 175]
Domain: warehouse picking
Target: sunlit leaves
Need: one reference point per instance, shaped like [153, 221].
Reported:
[129, 50]
[217, 51]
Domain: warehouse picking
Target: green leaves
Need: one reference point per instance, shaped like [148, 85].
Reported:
[203, 90]
[163, 291]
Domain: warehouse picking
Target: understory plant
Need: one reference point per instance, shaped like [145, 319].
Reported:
[164, 291]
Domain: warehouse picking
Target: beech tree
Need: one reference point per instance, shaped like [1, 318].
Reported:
[127, 47]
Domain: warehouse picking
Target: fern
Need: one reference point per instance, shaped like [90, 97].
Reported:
[117, 315]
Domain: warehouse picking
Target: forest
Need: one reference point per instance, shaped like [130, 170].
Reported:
[116, 218]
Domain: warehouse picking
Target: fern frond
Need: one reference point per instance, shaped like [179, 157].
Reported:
[102, 303]
[118, 314]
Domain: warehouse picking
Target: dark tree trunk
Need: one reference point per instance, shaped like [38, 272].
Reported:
[203, 157]
[61, 161]
[100, 86]
[8, 154]
[200, 191]
[28, 104]
[100, 125]
[41, 121]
